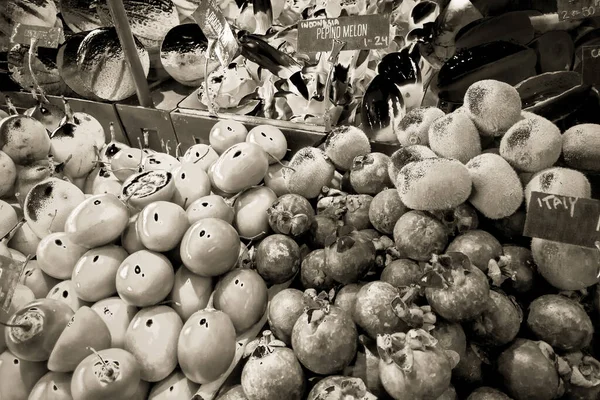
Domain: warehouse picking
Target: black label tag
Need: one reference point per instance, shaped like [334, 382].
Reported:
[577, 9]
[590, 65]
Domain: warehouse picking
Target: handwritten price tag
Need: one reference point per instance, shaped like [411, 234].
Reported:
[564, 219]
[214, 25]
[46, 37]
[357, 32]
[577, 9]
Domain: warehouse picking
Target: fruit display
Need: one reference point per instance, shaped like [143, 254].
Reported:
[240, 271]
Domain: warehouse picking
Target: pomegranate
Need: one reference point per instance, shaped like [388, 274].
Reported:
[460, 219]
[560, 322]
[357, 211]
[262, 377]
[385, 210]
[499, 323]
[458, 291]
[470, 368]
[242, 295]
[479, 246]
[340, 387]
[284, 310]
[487, 393]
[291, 214]
[414, 366]
[323, 227]
[402, 272]
[518, 261]
[451, 336]
[277, 259]
[369, 173]
[206, 345]
[312, 272]
[516, 363]
[346, 297]
[324, 337]
[349, 257]
[419, 236]
[584, 382]
[373, 310]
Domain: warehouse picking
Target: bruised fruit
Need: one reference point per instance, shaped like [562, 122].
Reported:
[106, 374]
[385, 210]
[337, 387]
[52, 386]
[581, 145]
[373, 310]
[247, 157]
[291, 214]
[532, 144]
[499, 323]
[18, 376]
[308, 171]
[277, 259]
[148, 187]
[423, 373]
[419, 236]
[190, 292]
[251, 219]
[312, 271]
[406, 155]
[200, 154]
[40, 324]
[497, 191]
[559, 181]
[161, 226]
[517, 362]
[57, 255]
[565, 266]
[174, 386]
[145, 278]
[117, 315]
[95, 273]
[261, 376]
[152, 339]
[206, 346]
[494, 106]
[455, 136]
[369, 173]
[211, 206]
[560, 322]
[72, 345]
[225, 134]
[271, 139]
[424, 185]
[344, 143]
[349, 258]
[210, 247]
[284, 310]
[414, 127]
[24, 139]
[242, 295]
[324, 337]
[464, 291]
[480, 246]
[48, 205]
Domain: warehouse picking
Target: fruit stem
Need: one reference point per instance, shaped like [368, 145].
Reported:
[168, 147]
[178, 151]
[113, 136]
[203, 155]
[282, 164]
[68, 111]
[26, 326]
[109, 370]
[12, 232]
[12, 110]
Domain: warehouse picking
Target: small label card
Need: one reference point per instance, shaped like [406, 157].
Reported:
[46, 37]
[590, 65]
[358, 32]
[564, 219]
[577, 9]
[214, 25]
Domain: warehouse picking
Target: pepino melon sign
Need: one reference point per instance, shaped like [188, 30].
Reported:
[565, 219]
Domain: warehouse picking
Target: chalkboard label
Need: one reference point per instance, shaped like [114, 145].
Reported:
[590, 65]
[46, 37]
[214, 26]
[564, 219]
[578, 9]
[357, 32]
[10, 272]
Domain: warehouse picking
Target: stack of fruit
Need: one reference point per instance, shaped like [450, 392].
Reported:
[402, 276]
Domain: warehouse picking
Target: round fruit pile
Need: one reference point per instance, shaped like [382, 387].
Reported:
[370, 276]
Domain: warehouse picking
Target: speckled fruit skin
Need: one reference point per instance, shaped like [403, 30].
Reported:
[369, 173]
[451, 336]
[373, 310]
[344, 143]
[312, 272]
[262, 378]
[565, 266]
[487, 393]
[385, 210]
[514, 366]
[402, 272]
[277, 258]
[348, 265]
[560, 322]
[499, 323]
[479, 246]
[414, 127]
[581, 147]
[455, 136]
[284, 310]
[327, 345]
[418, 236]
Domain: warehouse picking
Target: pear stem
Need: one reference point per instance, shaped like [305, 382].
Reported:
[12, 110]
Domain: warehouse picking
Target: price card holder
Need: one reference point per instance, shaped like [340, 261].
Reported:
[151, 127]
[10, 272]
[577, 9]
[357, 31]
[590, 65]
[564, 219]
